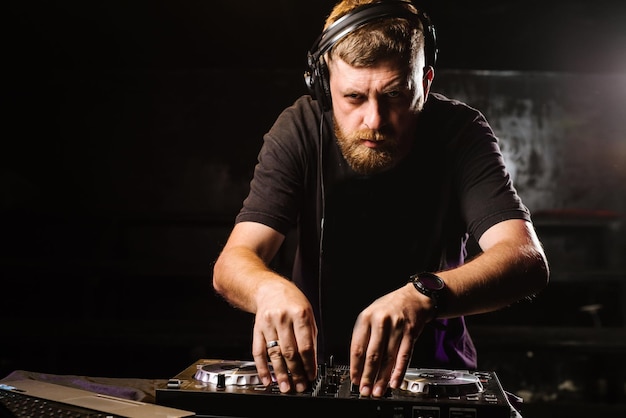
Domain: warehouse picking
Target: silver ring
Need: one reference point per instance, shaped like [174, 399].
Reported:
[270, 344]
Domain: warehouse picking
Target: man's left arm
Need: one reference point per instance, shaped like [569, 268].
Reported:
[512, 266]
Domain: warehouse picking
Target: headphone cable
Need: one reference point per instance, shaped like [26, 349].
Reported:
[320, 169]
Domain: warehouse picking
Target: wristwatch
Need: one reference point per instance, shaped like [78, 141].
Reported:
[431, 285]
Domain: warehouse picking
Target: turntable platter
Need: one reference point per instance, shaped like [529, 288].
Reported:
[238, 373]
[438, 383]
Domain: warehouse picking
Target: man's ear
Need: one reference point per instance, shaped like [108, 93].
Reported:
[429, 74]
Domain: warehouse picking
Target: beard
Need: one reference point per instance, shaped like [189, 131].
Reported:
[365, 160]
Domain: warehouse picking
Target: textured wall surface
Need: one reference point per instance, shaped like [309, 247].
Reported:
[563, 135]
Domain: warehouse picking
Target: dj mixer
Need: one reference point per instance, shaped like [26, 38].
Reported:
[232, 388]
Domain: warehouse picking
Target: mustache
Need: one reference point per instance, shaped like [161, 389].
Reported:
[370, 135]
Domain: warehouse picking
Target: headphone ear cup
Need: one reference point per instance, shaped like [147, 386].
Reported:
[311, 76]
[430, 40]
[317, 82]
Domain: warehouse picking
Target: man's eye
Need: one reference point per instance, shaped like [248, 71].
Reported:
[393, 94]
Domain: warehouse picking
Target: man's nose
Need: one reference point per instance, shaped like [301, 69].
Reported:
[373, 118]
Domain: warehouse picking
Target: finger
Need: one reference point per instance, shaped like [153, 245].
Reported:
[291, 349]
[287, 355]
[281, 372]
[306, 340]
[403, 359]
[259, 354]
[293, 361]
[387, 365]
[358, 348]
[374, 355]
[371, 365]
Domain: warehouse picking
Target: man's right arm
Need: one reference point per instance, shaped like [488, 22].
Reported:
[283, 313]
[246, 255]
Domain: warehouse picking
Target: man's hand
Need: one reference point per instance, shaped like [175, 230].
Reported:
[285, 331]
[383, 338]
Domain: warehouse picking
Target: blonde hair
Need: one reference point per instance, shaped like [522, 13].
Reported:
[396, 39]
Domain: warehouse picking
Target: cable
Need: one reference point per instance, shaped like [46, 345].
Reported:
[320, 169]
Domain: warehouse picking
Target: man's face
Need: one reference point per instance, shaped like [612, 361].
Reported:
[375, 110]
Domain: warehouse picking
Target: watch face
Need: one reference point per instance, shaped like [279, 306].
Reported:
[431, 282]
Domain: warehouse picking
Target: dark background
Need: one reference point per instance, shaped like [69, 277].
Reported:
[130, 131]
[504, 35]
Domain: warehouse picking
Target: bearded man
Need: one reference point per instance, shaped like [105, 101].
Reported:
[384, 182]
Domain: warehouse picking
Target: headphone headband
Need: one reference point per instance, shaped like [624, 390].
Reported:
[355, 19]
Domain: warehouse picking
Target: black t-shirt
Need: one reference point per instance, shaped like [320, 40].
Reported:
[379, 229]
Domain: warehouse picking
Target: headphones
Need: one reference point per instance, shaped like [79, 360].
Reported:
[316, 76]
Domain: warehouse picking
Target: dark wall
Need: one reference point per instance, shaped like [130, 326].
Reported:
[131, 131]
